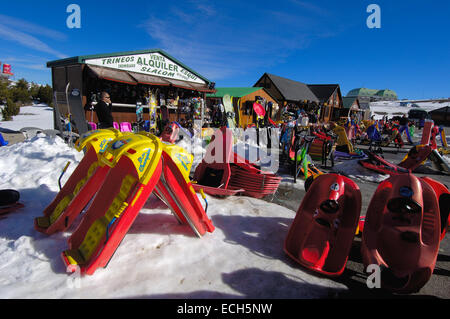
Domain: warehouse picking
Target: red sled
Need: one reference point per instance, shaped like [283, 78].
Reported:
[322, 233]
[218, 192]
[170, 133]
[214, 171]
[222, 172]
[443, 196]
[416, 156]
[6, 209]
[378, 164]
[401, 233]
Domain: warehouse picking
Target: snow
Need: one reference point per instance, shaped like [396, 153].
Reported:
[39, 115]
[158, 258]
[393, 108]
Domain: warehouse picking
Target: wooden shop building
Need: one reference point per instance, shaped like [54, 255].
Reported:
[129, 77]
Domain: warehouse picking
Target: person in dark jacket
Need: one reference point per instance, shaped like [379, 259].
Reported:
[103, 111]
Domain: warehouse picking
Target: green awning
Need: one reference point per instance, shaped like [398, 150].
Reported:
[234, 91]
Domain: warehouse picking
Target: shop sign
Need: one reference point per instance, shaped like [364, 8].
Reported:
[149, 63]
[7, 69]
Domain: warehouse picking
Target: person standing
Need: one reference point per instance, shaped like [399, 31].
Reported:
[404, 127]
[103, 111]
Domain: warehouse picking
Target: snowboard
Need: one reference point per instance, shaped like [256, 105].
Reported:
[229, 111]
[152, 111]
[9, 201]
[139, 116]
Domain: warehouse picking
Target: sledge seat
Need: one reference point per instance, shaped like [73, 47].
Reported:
[214, 170]
[170, 133]
[223, 172]
[93, 126]
[321, 235]
[401, 233]
[416, 156]
[125, 127]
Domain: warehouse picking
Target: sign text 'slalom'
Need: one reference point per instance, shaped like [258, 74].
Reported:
[150, 63]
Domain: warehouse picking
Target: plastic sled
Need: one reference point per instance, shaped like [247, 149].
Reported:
[438, 162]
[170, 133]
[183, 131]
[93, 126]
[321, 235]
[125, 127]
[259, 109]
[218, 192]
[342, 139]
[8, 197]
[401, 233]
[426, 132]
[135, 168]
[348, 156]
[177, 192]
[378, 164]
[81, 186]
[214, 171]
[416, 156]
[138, 166]
[272, 122]
[9, 201]
[2, 141]
[443, 195]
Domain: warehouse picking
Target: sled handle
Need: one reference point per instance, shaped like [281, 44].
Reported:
[62, 174]
[204, 198]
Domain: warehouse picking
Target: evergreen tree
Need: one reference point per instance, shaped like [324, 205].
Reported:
[21, 92]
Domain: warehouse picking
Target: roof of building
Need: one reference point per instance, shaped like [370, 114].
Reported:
[292, 90]
[372, 92]
[323, 91]
[387, 93]
[82, 58]
[348, 101]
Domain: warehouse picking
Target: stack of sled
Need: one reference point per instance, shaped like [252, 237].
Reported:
[222, 172]
[255, 182]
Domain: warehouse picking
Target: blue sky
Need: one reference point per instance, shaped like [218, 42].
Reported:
[234, 42]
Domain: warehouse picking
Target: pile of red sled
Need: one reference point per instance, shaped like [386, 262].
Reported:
[415, 157]
[222, 172]
[406, 219]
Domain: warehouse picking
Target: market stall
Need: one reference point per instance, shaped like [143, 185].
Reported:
[135, 80]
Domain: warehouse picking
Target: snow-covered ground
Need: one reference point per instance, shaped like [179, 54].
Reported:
[39, 115]
[393, 108]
